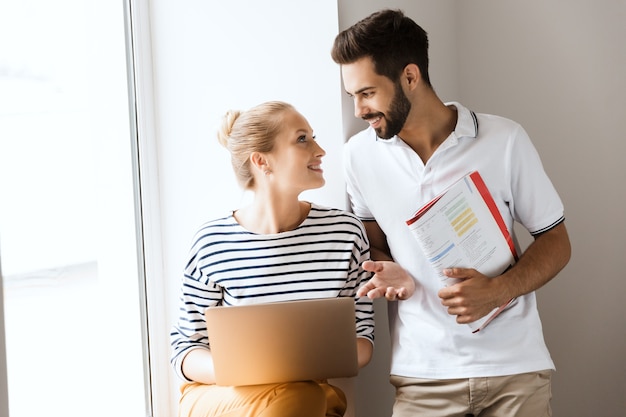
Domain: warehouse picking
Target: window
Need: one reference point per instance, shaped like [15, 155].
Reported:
[68, 242]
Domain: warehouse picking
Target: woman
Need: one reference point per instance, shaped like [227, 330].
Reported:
[277, 248]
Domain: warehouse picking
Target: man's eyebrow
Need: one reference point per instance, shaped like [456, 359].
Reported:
[360, 90]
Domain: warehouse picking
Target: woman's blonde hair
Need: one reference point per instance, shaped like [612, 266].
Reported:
[254, 130]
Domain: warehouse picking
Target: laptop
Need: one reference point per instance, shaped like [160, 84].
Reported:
[283, 341]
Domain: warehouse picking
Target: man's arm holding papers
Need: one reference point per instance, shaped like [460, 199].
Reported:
[477, 294]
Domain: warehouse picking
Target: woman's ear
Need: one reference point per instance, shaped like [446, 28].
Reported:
[259, 162]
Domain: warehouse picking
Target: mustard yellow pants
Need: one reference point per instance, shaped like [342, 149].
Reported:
[295, 399]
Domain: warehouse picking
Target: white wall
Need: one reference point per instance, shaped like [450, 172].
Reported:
[213, 56]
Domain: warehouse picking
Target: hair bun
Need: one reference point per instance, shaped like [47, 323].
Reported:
[228, 121]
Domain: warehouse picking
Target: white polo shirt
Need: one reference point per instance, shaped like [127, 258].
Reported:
[387, 182]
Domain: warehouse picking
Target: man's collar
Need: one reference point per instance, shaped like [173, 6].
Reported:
[467, 122]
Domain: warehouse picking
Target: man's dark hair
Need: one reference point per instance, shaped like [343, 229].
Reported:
[390, 39]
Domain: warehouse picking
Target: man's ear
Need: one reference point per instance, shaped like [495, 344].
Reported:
[411, 75]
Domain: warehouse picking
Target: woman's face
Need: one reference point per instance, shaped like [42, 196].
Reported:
[295, 161]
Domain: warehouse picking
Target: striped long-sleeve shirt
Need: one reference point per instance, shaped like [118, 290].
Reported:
[229, 265]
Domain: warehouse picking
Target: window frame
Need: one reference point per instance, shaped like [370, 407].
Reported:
[160, 401]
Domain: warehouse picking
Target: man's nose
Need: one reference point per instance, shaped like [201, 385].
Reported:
[359, 108]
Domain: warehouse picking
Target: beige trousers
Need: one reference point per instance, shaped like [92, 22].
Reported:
[523, 395]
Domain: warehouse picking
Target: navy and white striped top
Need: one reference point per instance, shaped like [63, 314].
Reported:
[229, 265]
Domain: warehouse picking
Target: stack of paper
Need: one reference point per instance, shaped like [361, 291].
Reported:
[462, 227]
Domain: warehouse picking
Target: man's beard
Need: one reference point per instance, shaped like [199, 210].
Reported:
[396, 116]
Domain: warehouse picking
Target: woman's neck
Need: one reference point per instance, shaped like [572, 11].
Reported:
[271, 217]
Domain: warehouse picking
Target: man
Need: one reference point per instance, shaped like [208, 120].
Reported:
[415, 147]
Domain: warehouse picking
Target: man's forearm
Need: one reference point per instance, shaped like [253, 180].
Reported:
[379, 255]
[541, 262]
